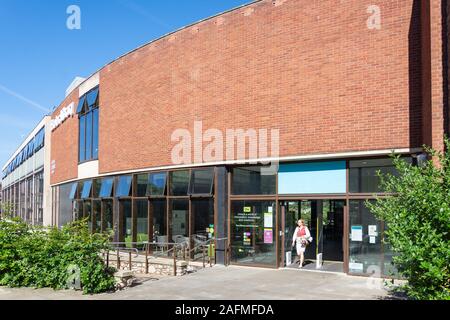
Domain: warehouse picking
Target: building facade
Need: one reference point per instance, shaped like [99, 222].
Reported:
[25, 183]
[235, 127]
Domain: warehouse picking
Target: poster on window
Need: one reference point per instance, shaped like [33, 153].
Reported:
[373, 230]
[268, 220]
[247, 239]
[268, 236]
[357, 233]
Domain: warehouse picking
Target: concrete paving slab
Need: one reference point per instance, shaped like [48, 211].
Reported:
[231, 283]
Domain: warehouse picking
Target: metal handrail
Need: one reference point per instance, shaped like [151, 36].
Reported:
[145, 244]
[175, 247]
[203, 246]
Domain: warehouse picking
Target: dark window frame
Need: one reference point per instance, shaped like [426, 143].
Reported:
[117, 189]
[110, 187]
[149, 193]
[85, 111]
[73, 191]
[86, 184]
[192, 183]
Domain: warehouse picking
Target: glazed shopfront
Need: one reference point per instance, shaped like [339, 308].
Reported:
[254, 211]
[330, 196]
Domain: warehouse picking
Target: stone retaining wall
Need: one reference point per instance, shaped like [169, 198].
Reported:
[158, 266]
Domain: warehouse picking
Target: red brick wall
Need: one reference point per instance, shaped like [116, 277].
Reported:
[309, 68]
[64, 149]
[433, 74]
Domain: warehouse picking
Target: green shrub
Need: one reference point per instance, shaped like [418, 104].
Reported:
[40, 257]
[418, 220]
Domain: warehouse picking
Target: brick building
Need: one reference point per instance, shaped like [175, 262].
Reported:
[339, 84]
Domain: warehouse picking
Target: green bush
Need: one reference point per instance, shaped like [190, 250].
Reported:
[417, 215]
[40, 257]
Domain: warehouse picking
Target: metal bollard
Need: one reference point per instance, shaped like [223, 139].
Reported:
[174, 261]
[203, 254]
[146, 261]
[209, 258]
[129, 261]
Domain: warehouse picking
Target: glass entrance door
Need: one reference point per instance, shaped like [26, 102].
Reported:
[325, 221]
[333, 230]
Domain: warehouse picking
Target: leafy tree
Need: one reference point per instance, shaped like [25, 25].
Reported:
[417, 214]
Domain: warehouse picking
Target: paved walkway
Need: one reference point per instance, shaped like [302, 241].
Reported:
[232, 283]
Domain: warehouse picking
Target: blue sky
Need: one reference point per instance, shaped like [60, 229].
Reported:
[40, 56]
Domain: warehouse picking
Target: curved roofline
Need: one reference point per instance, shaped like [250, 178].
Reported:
[162, 37]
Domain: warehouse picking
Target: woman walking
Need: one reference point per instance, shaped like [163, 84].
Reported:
[300, 239]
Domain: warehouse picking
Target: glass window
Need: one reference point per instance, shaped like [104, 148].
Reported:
[363, 174]
[88, 213]
[65, 203]
[87, 185]
[250, 181]
[179, 221]
[31, 148]
[88, 127]
[159, 221]
[201, 181]
[39, 196]
[39, 140]
[106, 187]
[365, 247]
[97, 217]
[202, 220]
[127, 222]
[253, 233]
[179, 183]
[91, 97]
[82, 142]
[95, 134]
[77, 210]
[202, 225]
[73, 190]
[141, 183]
[81, 104]
[96, 185]
[89, 136]
[108, 221]
[124, 186]
[141, 220]
[156, 184]
[388, 267]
